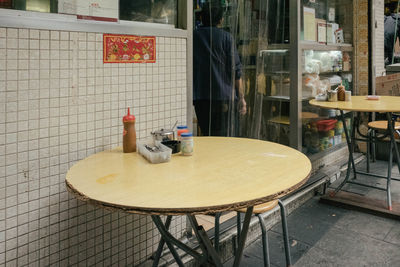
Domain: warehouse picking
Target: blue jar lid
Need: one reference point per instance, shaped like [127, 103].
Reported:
[186, 134]
[179, 127]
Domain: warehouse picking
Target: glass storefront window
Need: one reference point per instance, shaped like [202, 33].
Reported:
[151, 11]
[155, 11]
[46, 6]
[323, 71]
[261, 33]
[265, 53]
[326, 38]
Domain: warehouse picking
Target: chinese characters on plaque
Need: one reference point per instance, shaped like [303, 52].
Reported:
[129, 49]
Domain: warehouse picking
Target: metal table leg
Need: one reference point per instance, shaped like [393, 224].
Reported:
[238, 227]
[373, 148]
[369, 145]
[157, 255]
[389, 176]
[352, 140]
[243, 236]
[285, 234]
[162, 229]
[204, 242]
[350, 162]
[392, 131]
[397, 152]
[393, 145]
[170, 241]
[216, 231]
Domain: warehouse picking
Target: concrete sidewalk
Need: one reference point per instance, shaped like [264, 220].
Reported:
[324, 235]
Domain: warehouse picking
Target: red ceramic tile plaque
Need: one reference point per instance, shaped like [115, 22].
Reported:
[5, 3]
[129, 49]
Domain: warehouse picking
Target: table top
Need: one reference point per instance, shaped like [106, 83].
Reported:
[360, 103]
[223, 174]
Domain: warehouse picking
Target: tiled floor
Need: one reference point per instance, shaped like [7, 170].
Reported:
[323, 235]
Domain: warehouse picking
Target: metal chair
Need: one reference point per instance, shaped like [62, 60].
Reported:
[373, 128]
[258, 211]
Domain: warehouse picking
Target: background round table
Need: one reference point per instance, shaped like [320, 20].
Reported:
[361, 104]
[385, 104]
[223, 174]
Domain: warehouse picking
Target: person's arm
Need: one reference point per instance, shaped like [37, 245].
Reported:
[241, 102]
[238, 79]
[236, 67]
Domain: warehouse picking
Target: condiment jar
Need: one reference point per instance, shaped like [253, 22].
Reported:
[347, 96]
[332, 96]
[187, 144]
[181, 129]
[129, 134]
[341, 94]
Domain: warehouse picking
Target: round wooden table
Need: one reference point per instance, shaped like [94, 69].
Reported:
[385, 104]
[361, 104]
[223, 174]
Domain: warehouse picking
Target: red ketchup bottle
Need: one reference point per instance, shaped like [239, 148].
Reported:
[129, 134]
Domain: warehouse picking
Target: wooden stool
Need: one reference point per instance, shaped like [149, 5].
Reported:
[258, 211]
[382, 125]
[373, 127]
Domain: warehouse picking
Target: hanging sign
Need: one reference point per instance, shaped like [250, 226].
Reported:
[129, 49]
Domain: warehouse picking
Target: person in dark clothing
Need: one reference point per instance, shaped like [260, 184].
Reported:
[218, 91]
[389, 34]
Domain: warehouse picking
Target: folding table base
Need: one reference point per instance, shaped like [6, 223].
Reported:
[352, 167]
[209, 255]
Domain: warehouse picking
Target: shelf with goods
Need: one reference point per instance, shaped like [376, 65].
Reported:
[309, 45]
[284, 98]
[327, 52]
[275, 46]
[305, 116]
[280, 120]
[333, 72]
[324, 132]
[279, 62]
[249, 67]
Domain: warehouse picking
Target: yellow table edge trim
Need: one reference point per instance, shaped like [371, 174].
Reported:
[183, 211]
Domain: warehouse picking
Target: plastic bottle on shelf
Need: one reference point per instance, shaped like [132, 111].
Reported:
[129, 134]
[331, 16]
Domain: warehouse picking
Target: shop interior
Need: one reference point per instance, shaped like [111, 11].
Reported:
[261, 30]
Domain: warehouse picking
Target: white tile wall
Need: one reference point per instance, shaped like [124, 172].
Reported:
[379, 38]
[58, 104]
